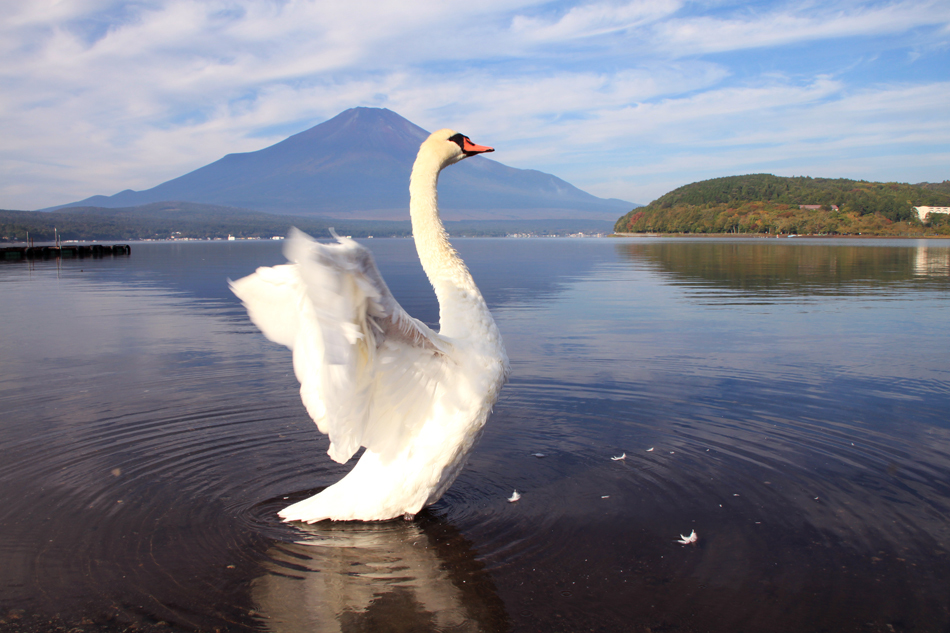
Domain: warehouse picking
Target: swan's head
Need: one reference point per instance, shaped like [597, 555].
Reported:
[448, 147]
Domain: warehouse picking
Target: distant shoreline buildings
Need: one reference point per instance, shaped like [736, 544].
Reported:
[924, 212]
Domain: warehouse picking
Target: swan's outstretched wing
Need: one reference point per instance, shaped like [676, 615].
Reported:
[368, 371]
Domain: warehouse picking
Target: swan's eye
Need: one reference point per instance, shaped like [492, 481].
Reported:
[459, 139]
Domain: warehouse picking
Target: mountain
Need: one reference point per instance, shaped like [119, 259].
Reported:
[356, 166]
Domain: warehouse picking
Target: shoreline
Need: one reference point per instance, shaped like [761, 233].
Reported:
[766, 236]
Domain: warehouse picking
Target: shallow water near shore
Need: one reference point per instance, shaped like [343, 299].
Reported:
[786, 399]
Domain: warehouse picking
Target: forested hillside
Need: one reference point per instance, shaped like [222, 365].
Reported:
[164, 221]
[936, 186]
[763, 203]
[186, 220]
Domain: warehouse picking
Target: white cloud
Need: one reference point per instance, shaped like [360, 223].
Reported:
[804, 23]
[886, 133]
[100, 95]
[592, 20]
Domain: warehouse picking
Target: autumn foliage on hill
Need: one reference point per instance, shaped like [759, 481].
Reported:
[763, 203]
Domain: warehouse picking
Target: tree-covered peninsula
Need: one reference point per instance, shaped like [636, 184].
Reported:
[767, 204]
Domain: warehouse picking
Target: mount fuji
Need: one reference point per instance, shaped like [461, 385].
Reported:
[356, 166]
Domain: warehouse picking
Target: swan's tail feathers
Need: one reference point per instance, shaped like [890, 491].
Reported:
[307, 511]
[322, 508]
[356, 497]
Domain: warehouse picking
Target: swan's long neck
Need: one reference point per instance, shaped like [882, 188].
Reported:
[453, 283]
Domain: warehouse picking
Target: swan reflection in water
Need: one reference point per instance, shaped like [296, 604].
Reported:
[399, 575]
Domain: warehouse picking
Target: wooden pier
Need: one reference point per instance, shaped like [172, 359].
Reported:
[19, 253]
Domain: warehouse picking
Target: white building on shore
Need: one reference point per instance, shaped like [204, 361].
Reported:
[924, 212]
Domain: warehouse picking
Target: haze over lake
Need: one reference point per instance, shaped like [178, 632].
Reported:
[785, 399]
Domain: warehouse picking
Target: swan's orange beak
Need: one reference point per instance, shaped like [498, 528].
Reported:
[471, 148]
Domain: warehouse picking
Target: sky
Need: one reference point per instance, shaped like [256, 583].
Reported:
[623, 99]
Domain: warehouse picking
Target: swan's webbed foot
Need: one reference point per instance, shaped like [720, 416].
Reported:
[408, 517]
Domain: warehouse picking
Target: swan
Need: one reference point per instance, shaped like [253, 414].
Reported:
[373, 376]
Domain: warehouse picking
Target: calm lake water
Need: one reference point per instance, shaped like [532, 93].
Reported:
[789, 400]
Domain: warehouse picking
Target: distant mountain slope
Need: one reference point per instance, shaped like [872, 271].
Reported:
[179, 220]
[763, 203]
[357, 165]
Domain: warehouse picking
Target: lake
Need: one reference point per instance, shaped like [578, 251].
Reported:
[789, 400]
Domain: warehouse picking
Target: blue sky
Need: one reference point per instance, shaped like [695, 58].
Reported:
[623, 99]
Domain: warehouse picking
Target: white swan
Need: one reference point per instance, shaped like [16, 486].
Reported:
[371, 375]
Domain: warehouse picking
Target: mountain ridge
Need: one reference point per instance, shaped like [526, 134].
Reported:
[356, 166]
